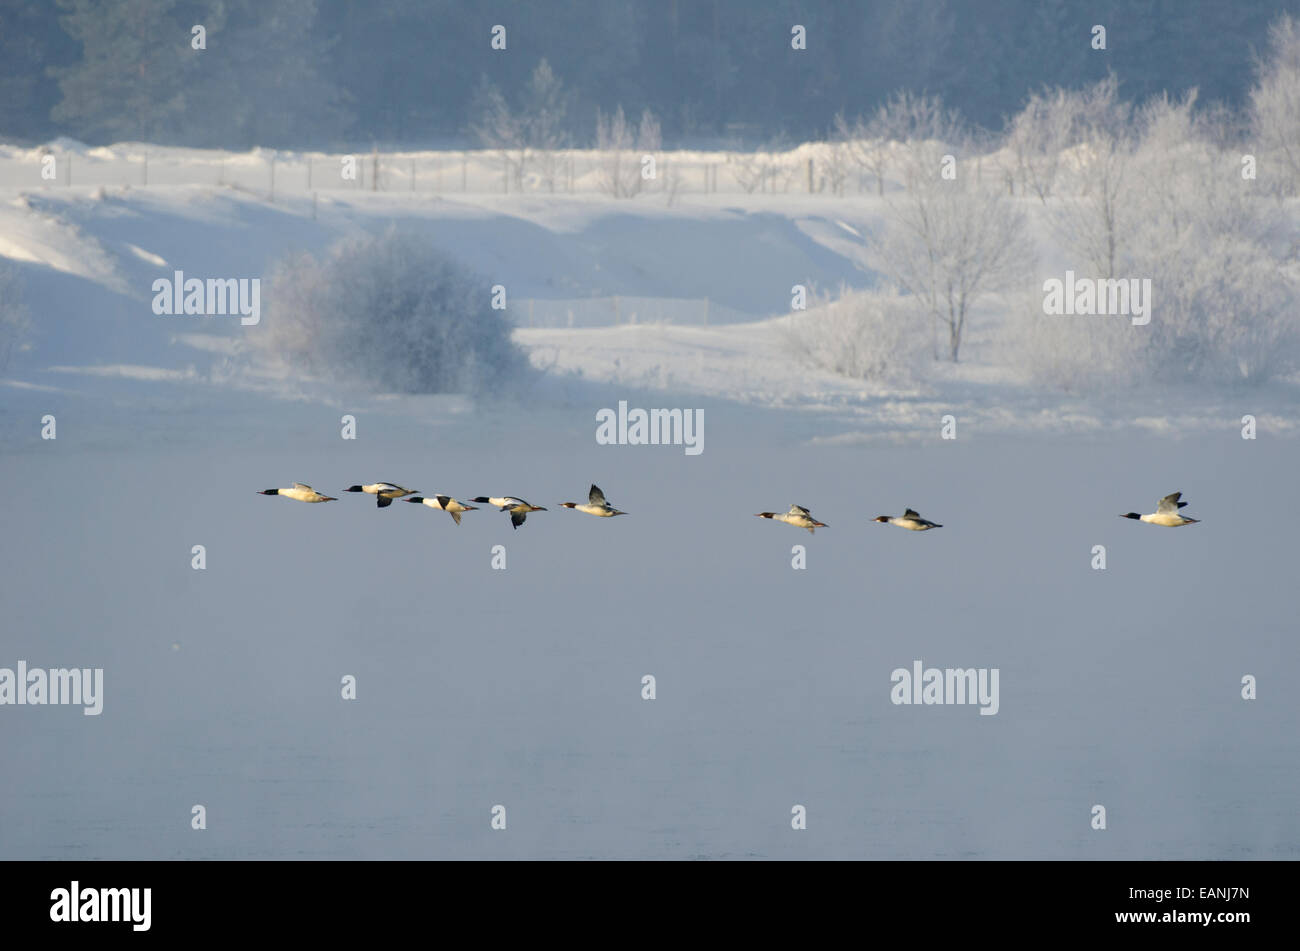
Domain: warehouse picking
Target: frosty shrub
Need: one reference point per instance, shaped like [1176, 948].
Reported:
[14, 325]
[1072, 353]
[390, 313]
[863, 335]
[1225, 313]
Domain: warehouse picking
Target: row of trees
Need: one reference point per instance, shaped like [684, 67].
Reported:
[298, 73]
[532, 137]
[1161, 191]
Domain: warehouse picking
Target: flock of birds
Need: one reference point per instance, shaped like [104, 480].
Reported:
[386, 492]
[1167, 512]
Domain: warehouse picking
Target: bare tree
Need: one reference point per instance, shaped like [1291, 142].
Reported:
[497, 127]
[763, 169]
[749, 169]
[1037, 135]
[535, 131]
[545, 108]
[948, 242]
[1054, 120]
[905, 118]
[1093, 225]
[622, 151]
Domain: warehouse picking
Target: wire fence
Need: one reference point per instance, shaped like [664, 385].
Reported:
[623, 310]
[810, 169]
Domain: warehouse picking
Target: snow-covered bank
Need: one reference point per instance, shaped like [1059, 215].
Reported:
[751, 364]
[87, 258]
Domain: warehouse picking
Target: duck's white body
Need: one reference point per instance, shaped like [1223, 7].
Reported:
[384, 492]
[798, 516]
[517, 507]
[1166, 513]
[300, 492]
[595, 504]
[445, 503]
[909, 520]
[503, 502]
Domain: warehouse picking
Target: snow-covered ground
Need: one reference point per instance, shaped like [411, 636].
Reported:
[88, 256]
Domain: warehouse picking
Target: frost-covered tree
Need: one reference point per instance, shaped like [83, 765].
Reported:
[1216, 250]
[1275, 107]
[533, 133]
[1091, 223]
[905, 119]
[1037, 135]
[1053, 121]
[767, 168]
[948, 242]
[622, 148]
[496, 126]
[544, 110]
[389, 313]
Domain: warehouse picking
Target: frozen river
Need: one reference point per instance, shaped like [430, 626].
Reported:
[522, 687]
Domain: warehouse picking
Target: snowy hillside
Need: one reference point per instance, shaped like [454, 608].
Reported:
[87, 256]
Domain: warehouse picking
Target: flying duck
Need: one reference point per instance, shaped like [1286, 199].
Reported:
[300, 492]
[517, 508]
[385, 492]
[446, 504]
[798, 516]
[909, 520]
[1166, 513]
[595, 505]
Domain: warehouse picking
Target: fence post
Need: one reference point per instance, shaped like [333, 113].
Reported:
[810, 176]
